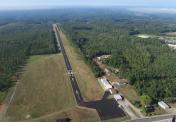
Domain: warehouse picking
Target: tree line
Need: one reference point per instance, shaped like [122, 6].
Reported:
[148, 64]
[19, 41]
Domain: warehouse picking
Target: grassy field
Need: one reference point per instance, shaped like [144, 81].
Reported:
[43, 89]
[75, 114]
[44, 94]
[89, 86]
[129, 92]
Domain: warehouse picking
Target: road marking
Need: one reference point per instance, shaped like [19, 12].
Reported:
[76, 91]
[78, 94]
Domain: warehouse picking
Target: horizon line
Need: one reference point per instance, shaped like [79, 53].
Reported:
[76, 6]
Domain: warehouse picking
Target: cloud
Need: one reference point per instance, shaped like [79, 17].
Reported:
[155, 10]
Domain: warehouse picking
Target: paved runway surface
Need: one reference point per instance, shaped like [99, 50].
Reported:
[72, 78]
[106, 109]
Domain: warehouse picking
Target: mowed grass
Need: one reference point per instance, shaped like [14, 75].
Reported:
[129, 92]
[88, 84]
[43, 89]
[75, 114]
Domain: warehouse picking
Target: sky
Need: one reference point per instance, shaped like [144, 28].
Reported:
[29, 4]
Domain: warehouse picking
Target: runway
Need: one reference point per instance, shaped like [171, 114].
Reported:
[107, 109]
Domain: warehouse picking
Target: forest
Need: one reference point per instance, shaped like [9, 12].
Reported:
[18, 41]
[149, 64]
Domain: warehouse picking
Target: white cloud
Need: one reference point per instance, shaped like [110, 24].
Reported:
[155, 10]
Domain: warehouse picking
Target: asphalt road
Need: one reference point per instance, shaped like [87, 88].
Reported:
[106, 108]
[154, 118]
[72, 78]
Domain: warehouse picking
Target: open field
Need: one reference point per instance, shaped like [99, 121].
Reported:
[75, 114]
[88, 84]
[44, 88]
[129, 92]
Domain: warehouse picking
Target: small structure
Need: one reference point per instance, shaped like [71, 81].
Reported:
[107, 72]
[173, 46]
[116, 70]
[118, 97]
[163, 105]
[113, 91]
[122, 82]
[105, 84]
[103, 57]
[144, 36]
[99, 58]
[63, 120]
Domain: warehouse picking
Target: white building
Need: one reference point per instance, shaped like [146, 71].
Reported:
[103, 57]
[121, 83]
[107, 72]
[143, 36]
[105, 84]
[163, 105]
[113, 91]
[173, 46]
[117, 97]
[99, 58]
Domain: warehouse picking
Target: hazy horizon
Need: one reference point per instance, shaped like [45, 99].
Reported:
[45, 4]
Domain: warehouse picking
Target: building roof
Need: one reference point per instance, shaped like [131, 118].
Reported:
[112, 91]
[163, 104]
[105, 83]
[117, 97]
[63, 120]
